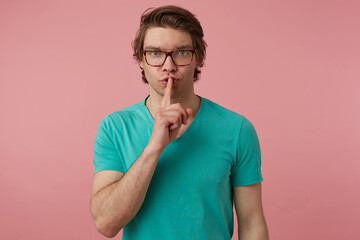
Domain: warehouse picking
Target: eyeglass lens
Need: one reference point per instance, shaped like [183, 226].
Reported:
[183, 57]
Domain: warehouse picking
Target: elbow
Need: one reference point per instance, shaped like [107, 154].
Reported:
[108, 233]
[107, 227]
[107, 230]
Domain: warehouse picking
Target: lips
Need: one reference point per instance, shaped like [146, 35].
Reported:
[164, 81]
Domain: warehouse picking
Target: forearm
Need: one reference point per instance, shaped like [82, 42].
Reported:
[115, 205]
[255, 231]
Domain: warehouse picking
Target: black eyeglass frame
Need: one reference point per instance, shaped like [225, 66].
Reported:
[169, 54]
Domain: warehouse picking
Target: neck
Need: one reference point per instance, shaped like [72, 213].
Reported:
[192, 101]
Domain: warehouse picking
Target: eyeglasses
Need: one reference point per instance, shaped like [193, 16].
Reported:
[156, 58]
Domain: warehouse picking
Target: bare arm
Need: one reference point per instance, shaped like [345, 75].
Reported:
[249, 211]
[117, 197]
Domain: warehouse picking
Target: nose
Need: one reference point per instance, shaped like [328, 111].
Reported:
[169, 65]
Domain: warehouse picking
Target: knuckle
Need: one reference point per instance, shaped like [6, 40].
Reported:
[158, 117]
[178, 106]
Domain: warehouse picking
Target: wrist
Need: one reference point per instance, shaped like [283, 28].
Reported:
[153, 150]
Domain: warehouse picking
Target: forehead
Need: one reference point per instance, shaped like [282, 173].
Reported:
[166, 38]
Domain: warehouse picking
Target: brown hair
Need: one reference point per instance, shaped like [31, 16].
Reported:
[177, 18]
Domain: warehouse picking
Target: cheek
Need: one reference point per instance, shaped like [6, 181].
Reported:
[150, 74]
[191, 71]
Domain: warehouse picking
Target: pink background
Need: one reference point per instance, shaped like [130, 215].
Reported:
[291, 67]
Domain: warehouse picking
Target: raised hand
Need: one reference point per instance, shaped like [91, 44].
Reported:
[168, 120]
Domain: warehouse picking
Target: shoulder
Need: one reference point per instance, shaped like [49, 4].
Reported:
[229, 119]
[121, 116]
[125, 112]
[222, 113]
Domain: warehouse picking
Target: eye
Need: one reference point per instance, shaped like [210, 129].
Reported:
[154, 53]
[182, 53]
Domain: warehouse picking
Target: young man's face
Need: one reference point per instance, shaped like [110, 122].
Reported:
[169, 39]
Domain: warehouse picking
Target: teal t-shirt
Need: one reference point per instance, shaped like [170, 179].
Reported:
[190, 194]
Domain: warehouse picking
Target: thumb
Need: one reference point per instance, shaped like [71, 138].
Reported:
[189, 112]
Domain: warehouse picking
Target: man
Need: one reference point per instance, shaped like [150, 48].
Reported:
[170, 166]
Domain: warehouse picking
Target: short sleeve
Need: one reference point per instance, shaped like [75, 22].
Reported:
[106, 156]
[247, 169]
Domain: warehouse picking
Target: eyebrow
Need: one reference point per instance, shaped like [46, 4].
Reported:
[177, 48]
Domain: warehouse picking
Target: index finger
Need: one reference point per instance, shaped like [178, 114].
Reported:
[167, 95]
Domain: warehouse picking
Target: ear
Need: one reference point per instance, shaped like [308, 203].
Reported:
[141, 64]
[196, 62]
